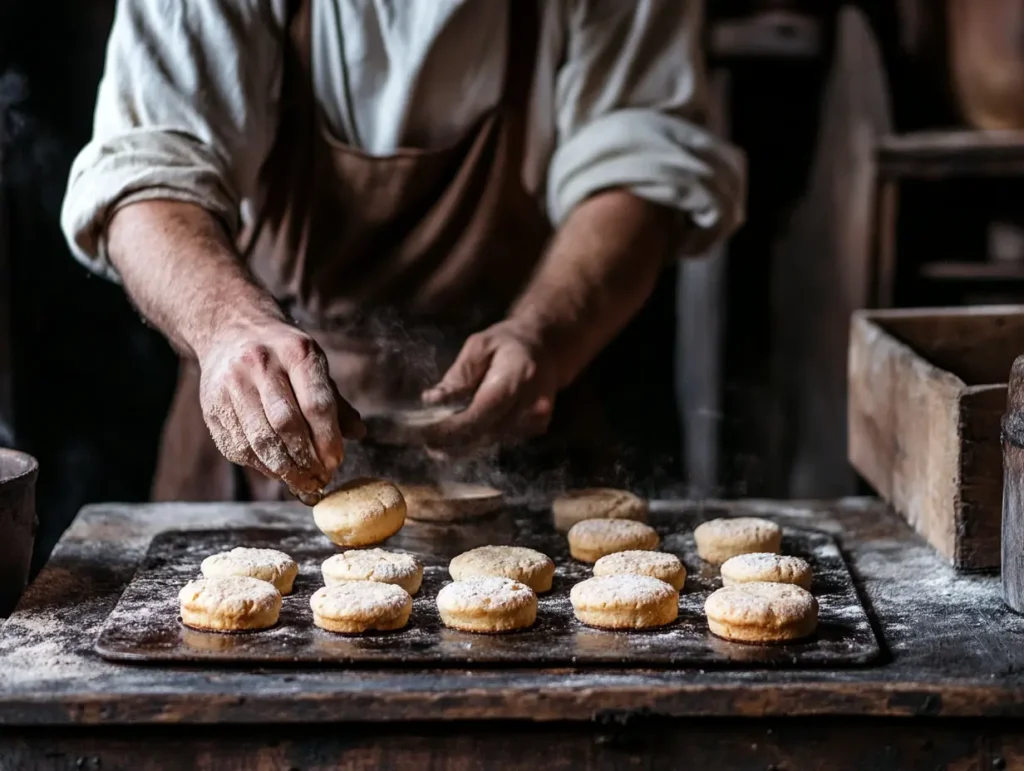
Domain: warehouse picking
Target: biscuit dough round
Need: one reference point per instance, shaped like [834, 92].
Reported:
[229, 604]
[353, 607]
[761, 612]
[624, 602]
[362, 512]
[527, 566]
[450, 501]
[387, 567]
[772, 568]
[488, 605]
[265, 564]
[594, 538]
[657, 564]
[596, 503]
[719, 539]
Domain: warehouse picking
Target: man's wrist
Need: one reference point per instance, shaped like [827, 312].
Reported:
[551, 338]
[236, 317]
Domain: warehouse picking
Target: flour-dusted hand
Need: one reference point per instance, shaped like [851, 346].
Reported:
[512, 381]
[270, 404]
[265, 390]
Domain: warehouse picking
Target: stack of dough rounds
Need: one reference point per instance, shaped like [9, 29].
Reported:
[657, 564]
[229, 604]
[265, 564]
[352, 607]
[596, 503]
[387, 567]
[594, 538]
[488, 605]
[624, 602]
[762, 612]
[771, 568]
[720, 539]
[527, 566]
[361, 512]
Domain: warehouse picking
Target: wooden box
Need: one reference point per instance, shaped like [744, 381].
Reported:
[927, 391]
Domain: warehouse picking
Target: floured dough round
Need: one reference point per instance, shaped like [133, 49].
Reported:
[594, 538]
[657, 564]
[387, 567]
[265, 564]
[596, 503]
[527, 566]
[361, 512]
[761, 612]
[720, 539]
[352, 607]
[773, 568]
[450, 501]
[229, 604]
[624, 602]
[489, 605]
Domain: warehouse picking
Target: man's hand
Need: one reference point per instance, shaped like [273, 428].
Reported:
[265, 390]
[270, 403]
[512, 381]
[597, 273]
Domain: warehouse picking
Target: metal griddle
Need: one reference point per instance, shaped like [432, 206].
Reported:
[145, 626]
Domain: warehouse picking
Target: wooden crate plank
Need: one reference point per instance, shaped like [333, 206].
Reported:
[926, 393]
[978, 523]
[978, 345]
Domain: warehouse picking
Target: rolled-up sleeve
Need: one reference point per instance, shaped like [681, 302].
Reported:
[186, 111]
[631, 98]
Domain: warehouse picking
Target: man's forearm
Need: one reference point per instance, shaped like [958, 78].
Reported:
[599, 270]
[182, 272]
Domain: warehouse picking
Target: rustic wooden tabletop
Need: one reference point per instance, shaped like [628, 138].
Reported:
[952, 650]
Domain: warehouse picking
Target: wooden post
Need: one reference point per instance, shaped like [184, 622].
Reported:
[1013, 490]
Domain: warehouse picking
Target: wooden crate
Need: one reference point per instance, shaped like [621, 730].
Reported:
[927, 391]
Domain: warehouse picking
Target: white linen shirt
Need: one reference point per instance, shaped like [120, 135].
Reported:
[188, 105]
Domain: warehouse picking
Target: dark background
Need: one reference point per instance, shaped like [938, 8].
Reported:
[90, 381]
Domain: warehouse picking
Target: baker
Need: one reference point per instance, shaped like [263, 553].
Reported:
[335, 206]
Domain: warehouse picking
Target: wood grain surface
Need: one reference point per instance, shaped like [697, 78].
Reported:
[1012, 569]
[950, 639]
[609, 743]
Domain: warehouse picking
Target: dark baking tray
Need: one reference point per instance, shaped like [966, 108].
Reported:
[145, 625]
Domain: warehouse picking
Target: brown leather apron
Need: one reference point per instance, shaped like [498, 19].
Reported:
[388, 262]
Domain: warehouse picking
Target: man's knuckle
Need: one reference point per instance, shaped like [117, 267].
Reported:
[281, 415]
[266, 449]
[477, 343]
[255, 357]
[321, 404]
[299, 349]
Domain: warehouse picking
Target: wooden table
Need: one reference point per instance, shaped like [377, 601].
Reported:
[948, 694]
